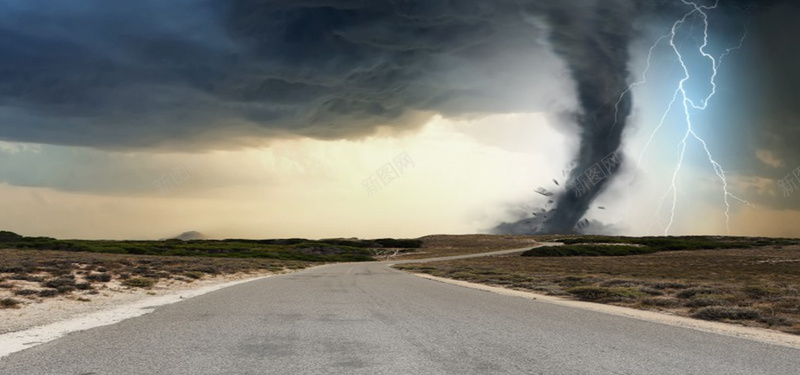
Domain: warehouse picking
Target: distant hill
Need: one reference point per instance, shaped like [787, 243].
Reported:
[9, 236]
[190, 235]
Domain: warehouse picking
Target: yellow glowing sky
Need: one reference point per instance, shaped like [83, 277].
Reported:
[467, 175]
[464, 174]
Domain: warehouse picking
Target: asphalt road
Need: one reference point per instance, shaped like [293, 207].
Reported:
[370, 319]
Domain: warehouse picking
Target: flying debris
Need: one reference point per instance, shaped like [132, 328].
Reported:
[556, 182]
[544, 192]
[550, 201]
[601, 207]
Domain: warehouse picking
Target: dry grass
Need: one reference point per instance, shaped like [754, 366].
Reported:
[756, 287]
[31, 276]
[449, 245]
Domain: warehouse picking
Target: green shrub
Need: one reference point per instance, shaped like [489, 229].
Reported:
[25, 292]
[48, 293]
[704, 300]
[651, 291]
[668, 243]
[59, 282]
[8, 303]
[194, 274]
[758, 291]
[726, 312]
[6, 236]
[621, 283]
[661, 302]
[25, 277]
[139, 282]
[669, 285]
[777, 321]
[65, 288]
[586, 250]
[102, 277]
[691, 292]
[596, 293]
[395, 243]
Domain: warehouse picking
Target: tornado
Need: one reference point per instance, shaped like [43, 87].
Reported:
[592, 37]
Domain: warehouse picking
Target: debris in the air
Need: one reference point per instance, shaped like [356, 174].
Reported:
[554, 180]
[544, 192]
[601, 207]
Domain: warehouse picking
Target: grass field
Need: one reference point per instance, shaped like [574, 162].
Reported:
[31, 276]
[754, 282]
[435, 246]
[329, 250]
[34, 269]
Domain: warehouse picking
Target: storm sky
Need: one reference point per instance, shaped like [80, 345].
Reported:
[246, 118]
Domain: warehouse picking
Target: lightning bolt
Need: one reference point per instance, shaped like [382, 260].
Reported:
[680, 95]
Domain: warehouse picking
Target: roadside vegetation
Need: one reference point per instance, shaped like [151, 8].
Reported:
[28, 276]
[439, 245]
[748, 281]
[33, 269]
[330, 250]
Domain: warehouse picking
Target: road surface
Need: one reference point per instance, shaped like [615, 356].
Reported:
[367, 318]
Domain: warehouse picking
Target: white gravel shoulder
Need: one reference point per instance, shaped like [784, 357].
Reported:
[53, 318]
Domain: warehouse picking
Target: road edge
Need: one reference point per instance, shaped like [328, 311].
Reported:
[749, 333]
[17, 341]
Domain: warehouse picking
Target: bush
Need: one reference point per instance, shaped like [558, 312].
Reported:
[102, 277]
[83, 286]
[621, 283]
[25, 292]
[651, 291]
[691, 292]
[139, 282]
[395, 243]
[9, 236]
[213, 270]
[596, 293]
[586, 250]
[48, 293]
[8, 303]
[704, 300]
[661, 302]
[726, 312]
[25, 277]
[757, 291]
[65, 288]
[194, 274]
[59, 282]
[669, 285]
[11, 269]
[778, 321]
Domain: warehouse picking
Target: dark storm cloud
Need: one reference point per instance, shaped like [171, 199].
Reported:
[764, 105]
[151, 73]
